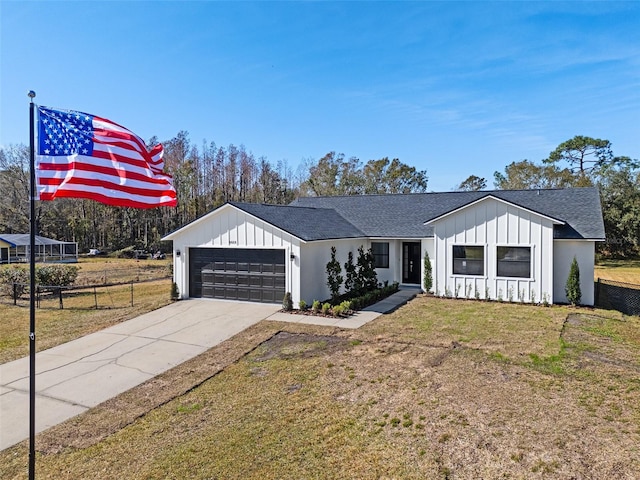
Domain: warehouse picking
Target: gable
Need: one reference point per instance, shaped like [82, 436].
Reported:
[493, 221]
[523, 211]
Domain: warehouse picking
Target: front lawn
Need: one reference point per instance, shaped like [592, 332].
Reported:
[441, 388]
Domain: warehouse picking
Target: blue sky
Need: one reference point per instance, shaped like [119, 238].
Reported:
[455, 88]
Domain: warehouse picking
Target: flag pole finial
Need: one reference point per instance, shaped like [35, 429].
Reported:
[31, 95]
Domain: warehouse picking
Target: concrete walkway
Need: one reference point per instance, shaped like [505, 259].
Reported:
[78, 375]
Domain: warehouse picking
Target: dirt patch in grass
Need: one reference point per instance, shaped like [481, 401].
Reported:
[286, 345]
[411, 398]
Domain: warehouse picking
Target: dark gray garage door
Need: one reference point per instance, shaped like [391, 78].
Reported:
[250, 274]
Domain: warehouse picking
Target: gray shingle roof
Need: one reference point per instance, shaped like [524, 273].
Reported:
[306, 223]
[404, 215]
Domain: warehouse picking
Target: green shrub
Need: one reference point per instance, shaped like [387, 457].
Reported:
[351, 273]
[56, 275]
[13, 274]
[338, 310]
[287, 302]
[334, 275]
[326, 307]
[428, 275]
[302, 305]
[316, 306]
[346, 305]
[572, 287]
[366, 277]
[175, 294]
[47, 275]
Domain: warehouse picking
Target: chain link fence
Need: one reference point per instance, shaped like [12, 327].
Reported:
[624, 297]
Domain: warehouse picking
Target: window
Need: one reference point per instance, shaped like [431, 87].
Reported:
[514, 262]
[468, 260]
[380, 254]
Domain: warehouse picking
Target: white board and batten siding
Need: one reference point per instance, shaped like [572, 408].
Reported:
[584, 252]
[230, 227]
[492, 223]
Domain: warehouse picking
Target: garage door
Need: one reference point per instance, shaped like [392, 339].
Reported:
[249, 274]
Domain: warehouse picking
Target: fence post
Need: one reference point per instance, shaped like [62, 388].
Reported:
[15, 293]
[60, 297]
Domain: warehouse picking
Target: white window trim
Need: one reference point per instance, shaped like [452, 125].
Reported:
[531, 277]
[484, 258]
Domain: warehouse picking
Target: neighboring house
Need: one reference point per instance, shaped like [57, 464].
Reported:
[15, 248]
[509, 244]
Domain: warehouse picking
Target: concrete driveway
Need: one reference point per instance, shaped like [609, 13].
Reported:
[75, 376]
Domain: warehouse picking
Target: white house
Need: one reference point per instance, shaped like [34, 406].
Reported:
[510, 244]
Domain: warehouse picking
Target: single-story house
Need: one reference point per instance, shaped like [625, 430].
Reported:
[506, 244]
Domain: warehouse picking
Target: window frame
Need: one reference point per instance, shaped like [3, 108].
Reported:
[380, 256]
[531, 253]
[483, 261]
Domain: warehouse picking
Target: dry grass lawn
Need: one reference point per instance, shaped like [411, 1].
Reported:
[85, 311]
[627, 271]
[441, 388]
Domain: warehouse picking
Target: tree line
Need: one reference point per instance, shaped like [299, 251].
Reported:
[206, 176]
[583, 162]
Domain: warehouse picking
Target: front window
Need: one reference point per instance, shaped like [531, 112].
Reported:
[514, 262]
[468, 260]
[380, 252]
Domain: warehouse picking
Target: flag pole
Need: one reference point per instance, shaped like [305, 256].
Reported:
[32, 293]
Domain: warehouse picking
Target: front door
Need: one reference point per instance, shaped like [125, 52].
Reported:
[411, 262]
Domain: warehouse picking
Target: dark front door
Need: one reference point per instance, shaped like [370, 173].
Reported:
[411, 262]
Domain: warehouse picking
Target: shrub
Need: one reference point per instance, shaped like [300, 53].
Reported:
[572, 287]
[366, 277]
[338, 310]
[9, 276]
[302, 305]
[325, 308]
[56, 275]
[334, 275]
[287, 302]
[346, 305]
[351, 273]
[316, 306]
[175, 293]
[428, 275]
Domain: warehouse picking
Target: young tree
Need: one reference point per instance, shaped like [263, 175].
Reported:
[350, 271]
[334, 275]
[366, 278]
[572, 287]
[428, 276]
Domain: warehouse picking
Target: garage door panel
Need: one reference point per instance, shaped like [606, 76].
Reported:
[256, 275]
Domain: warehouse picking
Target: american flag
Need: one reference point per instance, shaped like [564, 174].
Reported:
[84, 156]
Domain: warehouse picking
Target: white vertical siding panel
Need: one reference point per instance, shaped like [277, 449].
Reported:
[242, 230]
[525, 229]
[492, 223]
[268, 236]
